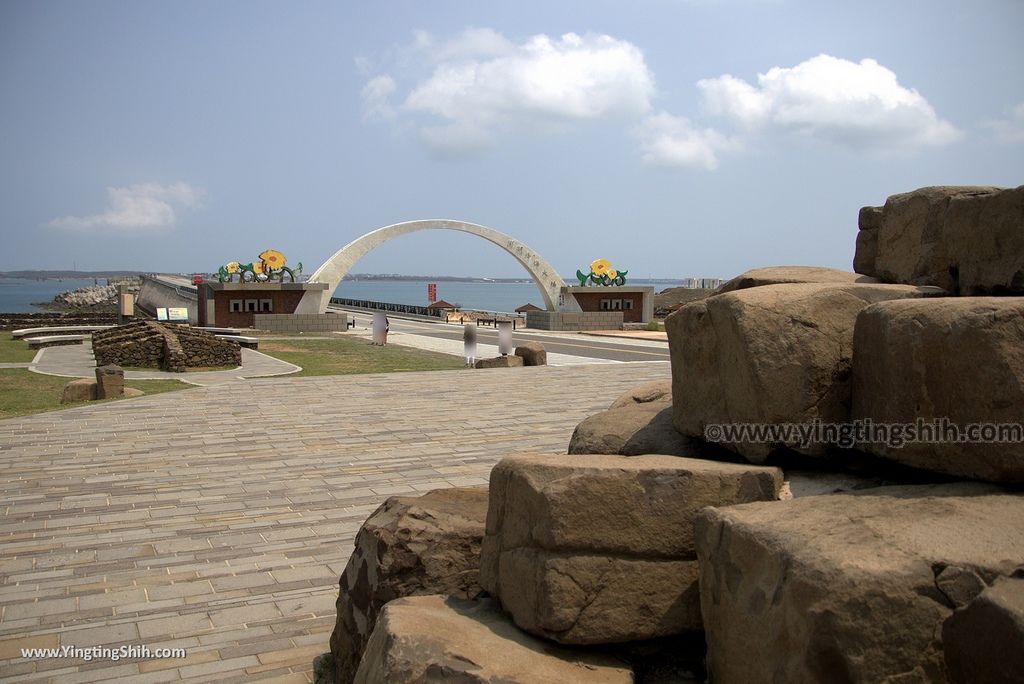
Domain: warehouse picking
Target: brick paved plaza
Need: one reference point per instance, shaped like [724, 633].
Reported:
[219, 518]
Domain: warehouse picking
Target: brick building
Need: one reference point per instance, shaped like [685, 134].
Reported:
[236, 305]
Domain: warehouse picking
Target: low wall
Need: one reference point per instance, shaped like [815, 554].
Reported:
[566, 320]
[39, 320]
[328, 322]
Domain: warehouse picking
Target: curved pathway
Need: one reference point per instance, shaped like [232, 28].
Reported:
[77, 361]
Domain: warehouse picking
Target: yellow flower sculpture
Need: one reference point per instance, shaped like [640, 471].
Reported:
[257, 267]
[231, 267]
[611, 273]
[272, 259]
[600, 266]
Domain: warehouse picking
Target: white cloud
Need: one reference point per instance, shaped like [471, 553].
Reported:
[145, 207]
[1010, 129]
[376, 96]
[859, 104]
[667, 140]
[482, 84]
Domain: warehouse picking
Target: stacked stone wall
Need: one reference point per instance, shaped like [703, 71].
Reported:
[148, 344]
[37, 320]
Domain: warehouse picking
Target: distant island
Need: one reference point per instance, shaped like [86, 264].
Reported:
[67, 275]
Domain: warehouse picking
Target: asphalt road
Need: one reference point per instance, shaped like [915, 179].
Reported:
[556, 343]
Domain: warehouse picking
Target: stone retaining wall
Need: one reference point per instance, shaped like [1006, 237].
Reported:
[328, 322]
[38, 320]
[565, 320]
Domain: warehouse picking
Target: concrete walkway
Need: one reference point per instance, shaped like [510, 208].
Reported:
[77, 361]
[219, 521]
[456, 348]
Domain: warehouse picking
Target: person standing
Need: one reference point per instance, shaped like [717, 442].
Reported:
[469, 343]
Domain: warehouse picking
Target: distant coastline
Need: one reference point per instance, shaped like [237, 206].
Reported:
[84, 275]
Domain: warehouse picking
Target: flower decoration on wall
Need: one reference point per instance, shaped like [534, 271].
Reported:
[269, 267]
[601, 273]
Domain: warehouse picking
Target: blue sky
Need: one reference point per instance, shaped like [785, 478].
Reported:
[675, 138]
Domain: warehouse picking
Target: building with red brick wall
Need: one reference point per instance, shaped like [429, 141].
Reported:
[235, 305]
[635, 303]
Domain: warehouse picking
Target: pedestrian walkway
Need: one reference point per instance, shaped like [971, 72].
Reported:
[219, 522]
[483, 350]
[77, 361]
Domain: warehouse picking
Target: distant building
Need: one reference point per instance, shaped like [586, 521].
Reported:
[528, 307]
[441, 304]
[702, 283]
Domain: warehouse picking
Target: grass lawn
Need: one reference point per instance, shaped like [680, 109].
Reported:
[347, 356]
[14, 351]
[23, 392]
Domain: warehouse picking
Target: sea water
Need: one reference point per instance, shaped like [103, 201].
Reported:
[466, 295]
[17, 295]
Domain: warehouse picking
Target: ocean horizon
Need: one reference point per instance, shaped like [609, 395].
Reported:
[19, 295]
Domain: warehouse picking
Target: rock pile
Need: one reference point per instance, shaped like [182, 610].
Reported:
[88, 297]
[644, 542]
[148, 344]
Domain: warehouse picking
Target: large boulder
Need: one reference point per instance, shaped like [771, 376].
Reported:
[779, 275]
[410, 546]
[590, 549]
[849, 587]
[441, 639]
[632, 430]
[533, 354]
[768, 355]
[82, 389]
[958, 359]
[984, 642]
[869, 221]
[640, 422]
[109, 382]
[964, 239]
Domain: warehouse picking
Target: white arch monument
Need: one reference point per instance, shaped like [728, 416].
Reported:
[544, 274]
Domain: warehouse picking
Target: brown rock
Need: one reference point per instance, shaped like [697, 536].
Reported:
[588, 549]
[638, 429]
[780, 275]
[109, 382]
[869, 221]
[773, 354]
[533, 354]
[410, 546]
[843, 587]
[83, 389]
[438, 639]
[964, 239]
[646, 393]
[984, 642]
[959, 359]
[510, 361]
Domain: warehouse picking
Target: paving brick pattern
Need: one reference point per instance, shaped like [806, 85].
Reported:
[218, 519]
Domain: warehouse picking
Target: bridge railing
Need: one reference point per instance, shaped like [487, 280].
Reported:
[388, 306]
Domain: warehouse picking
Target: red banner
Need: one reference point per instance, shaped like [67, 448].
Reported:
[431, 292]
